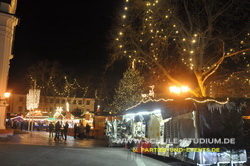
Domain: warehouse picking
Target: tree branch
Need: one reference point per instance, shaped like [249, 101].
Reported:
[218, 63]
[162, 68]
[188, 14]
[222, 10]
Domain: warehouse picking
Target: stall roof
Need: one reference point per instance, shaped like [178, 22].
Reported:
[170, 107]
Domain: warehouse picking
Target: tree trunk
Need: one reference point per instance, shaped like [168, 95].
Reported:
[201, 85]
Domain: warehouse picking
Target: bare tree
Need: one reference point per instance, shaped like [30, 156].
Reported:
[54, 82]
[182, 38]
[46, 72]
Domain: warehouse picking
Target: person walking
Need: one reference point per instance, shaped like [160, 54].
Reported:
[57, 130]
[81, 131]
[66, 126]
[75, 130]
[51, 128]
[87, 130]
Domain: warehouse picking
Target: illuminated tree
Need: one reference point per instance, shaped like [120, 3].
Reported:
[180, 39]
[53, 82]
[129, 90]
[46, 72]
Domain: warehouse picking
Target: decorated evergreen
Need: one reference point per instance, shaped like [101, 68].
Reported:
[129, 90]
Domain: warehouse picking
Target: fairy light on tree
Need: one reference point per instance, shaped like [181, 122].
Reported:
[129, 90]
[53, 82]
[32, 103]
[165, 35]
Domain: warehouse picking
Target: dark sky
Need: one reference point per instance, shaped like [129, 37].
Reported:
[73, 32]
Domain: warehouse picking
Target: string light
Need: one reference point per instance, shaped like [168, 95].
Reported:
[153, 36]
[171, 100]
[68, 87]
[209, 100]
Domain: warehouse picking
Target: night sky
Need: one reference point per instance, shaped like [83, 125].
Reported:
[74, 33]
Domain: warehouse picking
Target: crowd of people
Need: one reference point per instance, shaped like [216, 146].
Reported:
[61, 131]
[24, 125]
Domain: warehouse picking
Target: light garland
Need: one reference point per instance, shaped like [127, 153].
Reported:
[209, 100]
[167, 100]
[149, 100]
[67, 88]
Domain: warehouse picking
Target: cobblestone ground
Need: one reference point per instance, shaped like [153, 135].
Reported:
[42, 138]
[38, 149]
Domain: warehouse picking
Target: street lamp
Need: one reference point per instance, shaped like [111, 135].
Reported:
[175, 89]
[7, 102]
[178, 90]
[7, 94]
[184, 89]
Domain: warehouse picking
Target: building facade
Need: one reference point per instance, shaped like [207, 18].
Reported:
[49, 104]
[8, 23]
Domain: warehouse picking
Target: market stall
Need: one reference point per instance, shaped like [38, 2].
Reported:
[39, 118]
[156, 124]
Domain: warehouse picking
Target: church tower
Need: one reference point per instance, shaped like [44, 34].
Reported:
[8, 23]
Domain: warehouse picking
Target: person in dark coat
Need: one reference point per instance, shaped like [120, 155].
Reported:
[65, 129]
[75, 130]
[81, 131]
[57, 130]
[51, 128]
[87, 130]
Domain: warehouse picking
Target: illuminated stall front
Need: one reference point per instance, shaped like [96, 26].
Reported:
[40, 119]
[168, 124]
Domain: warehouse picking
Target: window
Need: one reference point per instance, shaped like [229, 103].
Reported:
[51, 101]
[51, 109]
[63, 101]
[21, 99]
[74, 101]
[88, 102]
[69, 101]
[20, 108]
[57, 101]
[80, 102]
